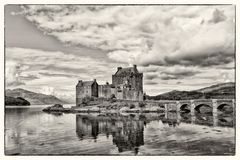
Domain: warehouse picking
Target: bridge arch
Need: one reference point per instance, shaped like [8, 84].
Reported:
[185, 108]
[225, 107]
[208, 108]
[160, 105]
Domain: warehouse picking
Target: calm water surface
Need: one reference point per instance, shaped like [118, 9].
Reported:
[29, 131]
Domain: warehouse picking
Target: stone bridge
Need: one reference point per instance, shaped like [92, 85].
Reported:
[192, 106]
[214, 104]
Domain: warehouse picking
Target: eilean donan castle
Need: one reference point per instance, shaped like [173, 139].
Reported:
[127, 84]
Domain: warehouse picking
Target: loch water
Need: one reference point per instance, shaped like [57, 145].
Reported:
[29, 131]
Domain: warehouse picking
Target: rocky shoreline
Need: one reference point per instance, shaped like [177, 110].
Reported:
[105, 108]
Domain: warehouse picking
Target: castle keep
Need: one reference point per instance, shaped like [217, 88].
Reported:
[127, 83]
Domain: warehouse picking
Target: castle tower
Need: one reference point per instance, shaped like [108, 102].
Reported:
[128, 83]
[131, 76]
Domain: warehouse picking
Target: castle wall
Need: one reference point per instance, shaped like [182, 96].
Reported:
[138, 82]
[117, 79]
[129, 95]
[127, 85]
[119, 94]
[134, 80]
[94, 90]
[132, 95]
[83, 91]
[104, 91]
[79, 94]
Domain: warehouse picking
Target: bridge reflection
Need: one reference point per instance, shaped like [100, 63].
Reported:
[127, 131]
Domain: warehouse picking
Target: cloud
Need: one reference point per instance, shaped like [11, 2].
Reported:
[218, 16]
[28, 77]
[15, 84]
[58, 63]
[193, 45]
[144, 35]
[39, 70]
[47, 90]
[177, 75]
[13, 71]
[150, 83]
[151, 76]
[57, 75]
[179, 72]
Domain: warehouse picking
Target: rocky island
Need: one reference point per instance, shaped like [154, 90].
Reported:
[18, 101]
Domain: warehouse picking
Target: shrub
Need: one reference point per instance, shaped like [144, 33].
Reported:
[161, 105]
[113, 100]
[141, 104]
[86, 100]
[132, 106]
[91, 99]
[112, 96]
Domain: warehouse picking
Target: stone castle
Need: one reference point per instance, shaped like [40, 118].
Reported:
[127, 84]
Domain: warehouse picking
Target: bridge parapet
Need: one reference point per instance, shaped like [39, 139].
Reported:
[204, 102]
[225, 101]
[184, 101]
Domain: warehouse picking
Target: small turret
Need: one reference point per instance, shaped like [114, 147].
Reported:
[135, 66]
[119, 68]
[79, 83]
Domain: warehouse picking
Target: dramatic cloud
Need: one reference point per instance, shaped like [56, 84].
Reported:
[144, 35]
[47, 90]
[57, 75]
[12, 71]
[150, 83]
[175, 46]
[151, 76]
[54, 73]
[178, 72]
[28, 77]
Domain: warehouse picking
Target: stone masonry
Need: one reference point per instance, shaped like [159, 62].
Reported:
[127, 84]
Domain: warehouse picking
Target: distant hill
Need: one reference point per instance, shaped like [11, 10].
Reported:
[34, 98]
[222, 87]
[19, 101]
[219, 91]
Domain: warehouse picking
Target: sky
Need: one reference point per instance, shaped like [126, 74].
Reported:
[48, 48]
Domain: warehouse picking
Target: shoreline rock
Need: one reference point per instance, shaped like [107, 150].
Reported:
[16, 101]
[103, 108]
[56, 108]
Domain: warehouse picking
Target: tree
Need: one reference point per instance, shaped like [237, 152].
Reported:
[112, 96]
[142, 104]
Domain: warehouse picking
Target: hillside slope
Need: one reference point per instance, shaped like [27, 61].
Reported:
[219, 91]
[32, 97]
[222, 87]
[11, 101]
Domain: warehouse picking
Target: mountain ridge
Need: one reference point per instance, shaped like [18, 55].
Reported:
[218, 91]
[33, 97]
[19, 101]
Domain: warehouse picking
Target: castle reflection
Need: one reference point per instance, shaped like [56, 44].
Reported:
[127, 131]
